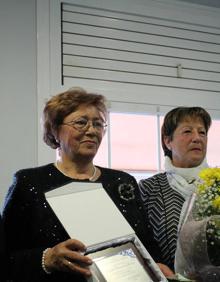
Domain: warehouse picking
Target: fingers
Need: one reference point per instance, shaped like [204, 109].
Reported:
[77, 257]
[67, 256]
[74, 267]
[75, 245]
[166, 270]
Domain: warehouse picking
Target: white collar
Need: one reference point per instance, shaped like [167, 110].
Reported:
[189, 174]
[182, 180]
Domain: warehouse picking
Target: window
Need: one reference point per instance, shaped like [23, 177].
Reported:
[132, 143]
[213, 150]
[141, 55]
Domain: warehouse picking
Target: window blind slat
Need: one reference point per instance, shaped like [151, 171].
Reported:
[137, 18]
[136, 68]
[144, 29]
[121, 48]
[100, 74]
[142, 58]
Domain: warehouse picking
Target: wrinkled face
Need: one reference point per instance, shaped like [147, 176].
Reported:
[80, 143]
[189, 143]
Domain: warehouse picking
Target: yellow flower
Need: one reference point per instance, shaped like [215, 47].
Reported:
[210, 174]
[201, 188]
[208, 192]
[216, 203]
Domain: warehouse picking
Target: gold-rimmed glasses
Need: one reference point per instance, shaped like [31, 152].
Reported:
[82, 124]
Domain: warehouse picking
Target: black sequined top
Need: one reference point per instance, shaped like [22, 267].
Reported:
[31, 226]
[3, 254]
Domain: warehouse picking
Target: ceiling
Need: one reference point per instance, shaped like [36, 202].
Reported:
[210, 3]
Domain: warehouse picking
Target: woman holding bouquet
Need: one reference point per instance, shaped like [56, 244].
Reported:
[184, 141]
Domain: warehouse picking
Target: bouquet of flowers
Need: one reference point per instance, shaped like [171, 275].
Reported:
[198, 247]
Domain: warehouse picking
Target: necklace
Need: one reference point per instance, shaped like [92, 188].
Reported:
[92, 178]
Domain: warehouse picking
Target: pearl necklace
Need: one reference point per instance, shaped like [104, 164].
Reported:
[91, 178]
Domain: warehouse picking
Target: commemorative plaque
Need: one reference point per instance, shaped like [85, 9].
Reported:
[123, 262]
[89, 215]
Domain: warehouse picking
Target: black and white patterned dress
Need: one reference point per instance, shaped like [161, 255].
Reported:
[163, 206]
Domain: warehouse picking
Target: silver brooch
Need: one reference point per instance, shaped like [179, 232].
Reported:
[126, 192]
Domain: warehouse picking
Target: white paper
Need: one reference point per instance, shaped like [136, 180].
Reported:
[122, 268]
[88, 213]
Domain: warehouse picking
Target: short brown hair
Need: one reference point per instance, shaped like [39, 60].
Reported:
[177, 115]
[61, 105]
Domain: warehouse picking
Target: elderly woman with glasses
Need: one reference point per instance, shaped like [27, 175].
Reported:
[184, 136]
[74, 124]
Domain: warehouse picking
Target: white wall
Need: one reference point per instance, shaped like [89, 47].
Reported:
[18, 81]
[22, 76]
[170, 13]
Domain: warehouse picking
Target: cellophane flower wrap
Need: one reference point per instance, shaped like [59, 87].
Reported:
[198, 246]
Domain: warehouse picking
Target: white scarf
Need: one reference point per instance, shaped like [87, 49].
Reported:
[183, 180]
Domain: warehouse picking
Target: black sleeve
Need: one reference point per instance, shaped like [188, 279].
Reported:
[3, 252]
[24, 263]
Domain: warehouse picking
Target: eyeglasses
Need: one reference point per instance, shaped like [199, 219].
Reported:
[82, 124]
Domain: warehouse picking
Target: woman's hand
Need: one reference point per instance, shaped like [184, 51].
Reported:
[66, 256]
[167, 272]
